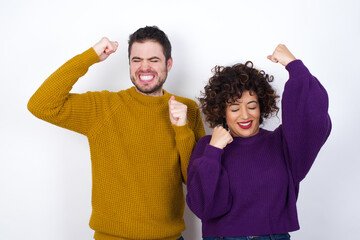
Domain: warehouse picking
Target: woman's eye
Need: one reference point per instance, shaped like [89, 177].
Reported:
[252, 106]
[234, 110]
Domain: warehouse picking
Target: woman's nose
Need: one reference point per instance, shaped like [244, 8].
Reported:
[244, 113]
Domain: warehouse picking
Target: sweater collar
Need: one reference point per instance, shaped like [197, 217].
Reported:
[249, 139]
[148, 100]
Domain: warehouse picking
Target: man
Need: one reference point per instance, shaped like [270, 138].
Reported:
[140, 138]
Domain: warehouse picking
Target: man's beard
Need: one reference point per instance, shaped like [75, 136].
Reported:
[149, 91]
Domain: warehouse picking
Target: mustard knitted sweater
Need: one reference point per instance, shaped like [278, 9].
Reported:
[139, 159]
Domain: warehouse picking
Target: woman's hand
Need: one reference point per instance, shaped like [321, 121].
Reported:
[281, 55]
[220, 137]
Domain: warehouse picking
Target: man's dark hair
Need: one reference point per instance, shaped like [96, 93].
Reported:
[152, 33]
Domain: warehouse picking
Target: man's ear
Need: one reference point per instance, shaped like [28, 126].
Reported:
[169, 64]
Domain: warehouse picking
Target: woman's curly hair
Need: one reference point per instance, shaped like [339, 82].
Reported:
[227, 85]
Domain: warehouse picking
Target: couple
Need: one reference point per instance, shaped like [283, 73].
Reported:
[242, 181]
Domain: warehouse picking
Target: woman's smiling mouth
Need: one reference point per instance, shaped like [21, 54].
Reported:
[245, 125]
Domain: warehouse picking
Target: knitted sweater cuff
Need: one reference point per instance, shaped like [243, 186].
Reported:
[90, 57]
[212, 152]
[296, 68]
[182, 131]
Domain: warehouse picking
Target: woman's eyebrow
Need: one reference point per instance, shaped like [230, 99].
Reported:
[252, 102]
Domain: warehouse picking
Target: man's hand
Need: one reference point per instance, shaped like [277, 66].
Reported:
[220, 137]
[177, 112]
[104, 48]
[281, 55]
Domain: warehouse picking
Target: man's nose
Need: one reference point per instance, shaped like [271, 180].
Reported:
[145, 65]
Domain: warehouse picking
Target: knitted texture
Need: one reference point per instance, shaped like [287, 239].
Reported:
[139, 159]
[251, 186]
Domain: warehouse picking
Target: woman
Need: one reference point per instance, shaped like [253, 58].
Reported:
[243, 181]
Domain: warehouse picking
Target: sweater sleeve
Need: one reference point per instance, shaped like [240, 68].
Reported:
[208, 188]
[53, 103]
[306, 122]
[186, 137]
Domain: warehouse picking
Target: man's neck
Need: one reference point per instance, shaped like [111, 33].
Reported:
[158, 93]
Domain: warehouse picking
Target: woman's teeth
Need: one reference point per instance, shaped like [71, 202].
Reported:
[245, 124]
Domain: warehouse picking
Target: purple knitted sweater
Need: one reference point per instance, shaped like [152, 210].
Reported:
[251, 186]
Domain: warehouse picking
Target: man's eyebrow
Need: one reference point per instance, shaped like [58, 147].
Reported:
[135, 58]
[152, 58]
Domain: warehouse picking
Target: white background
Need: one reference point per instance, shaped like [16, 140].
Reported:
[45, 172]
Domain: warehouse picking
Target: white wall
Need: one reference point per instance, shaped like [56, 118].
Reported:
[45, 173]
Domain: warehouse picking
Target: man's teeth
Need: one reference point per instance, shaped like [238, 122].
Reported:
[146, 78]
[245, 124]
